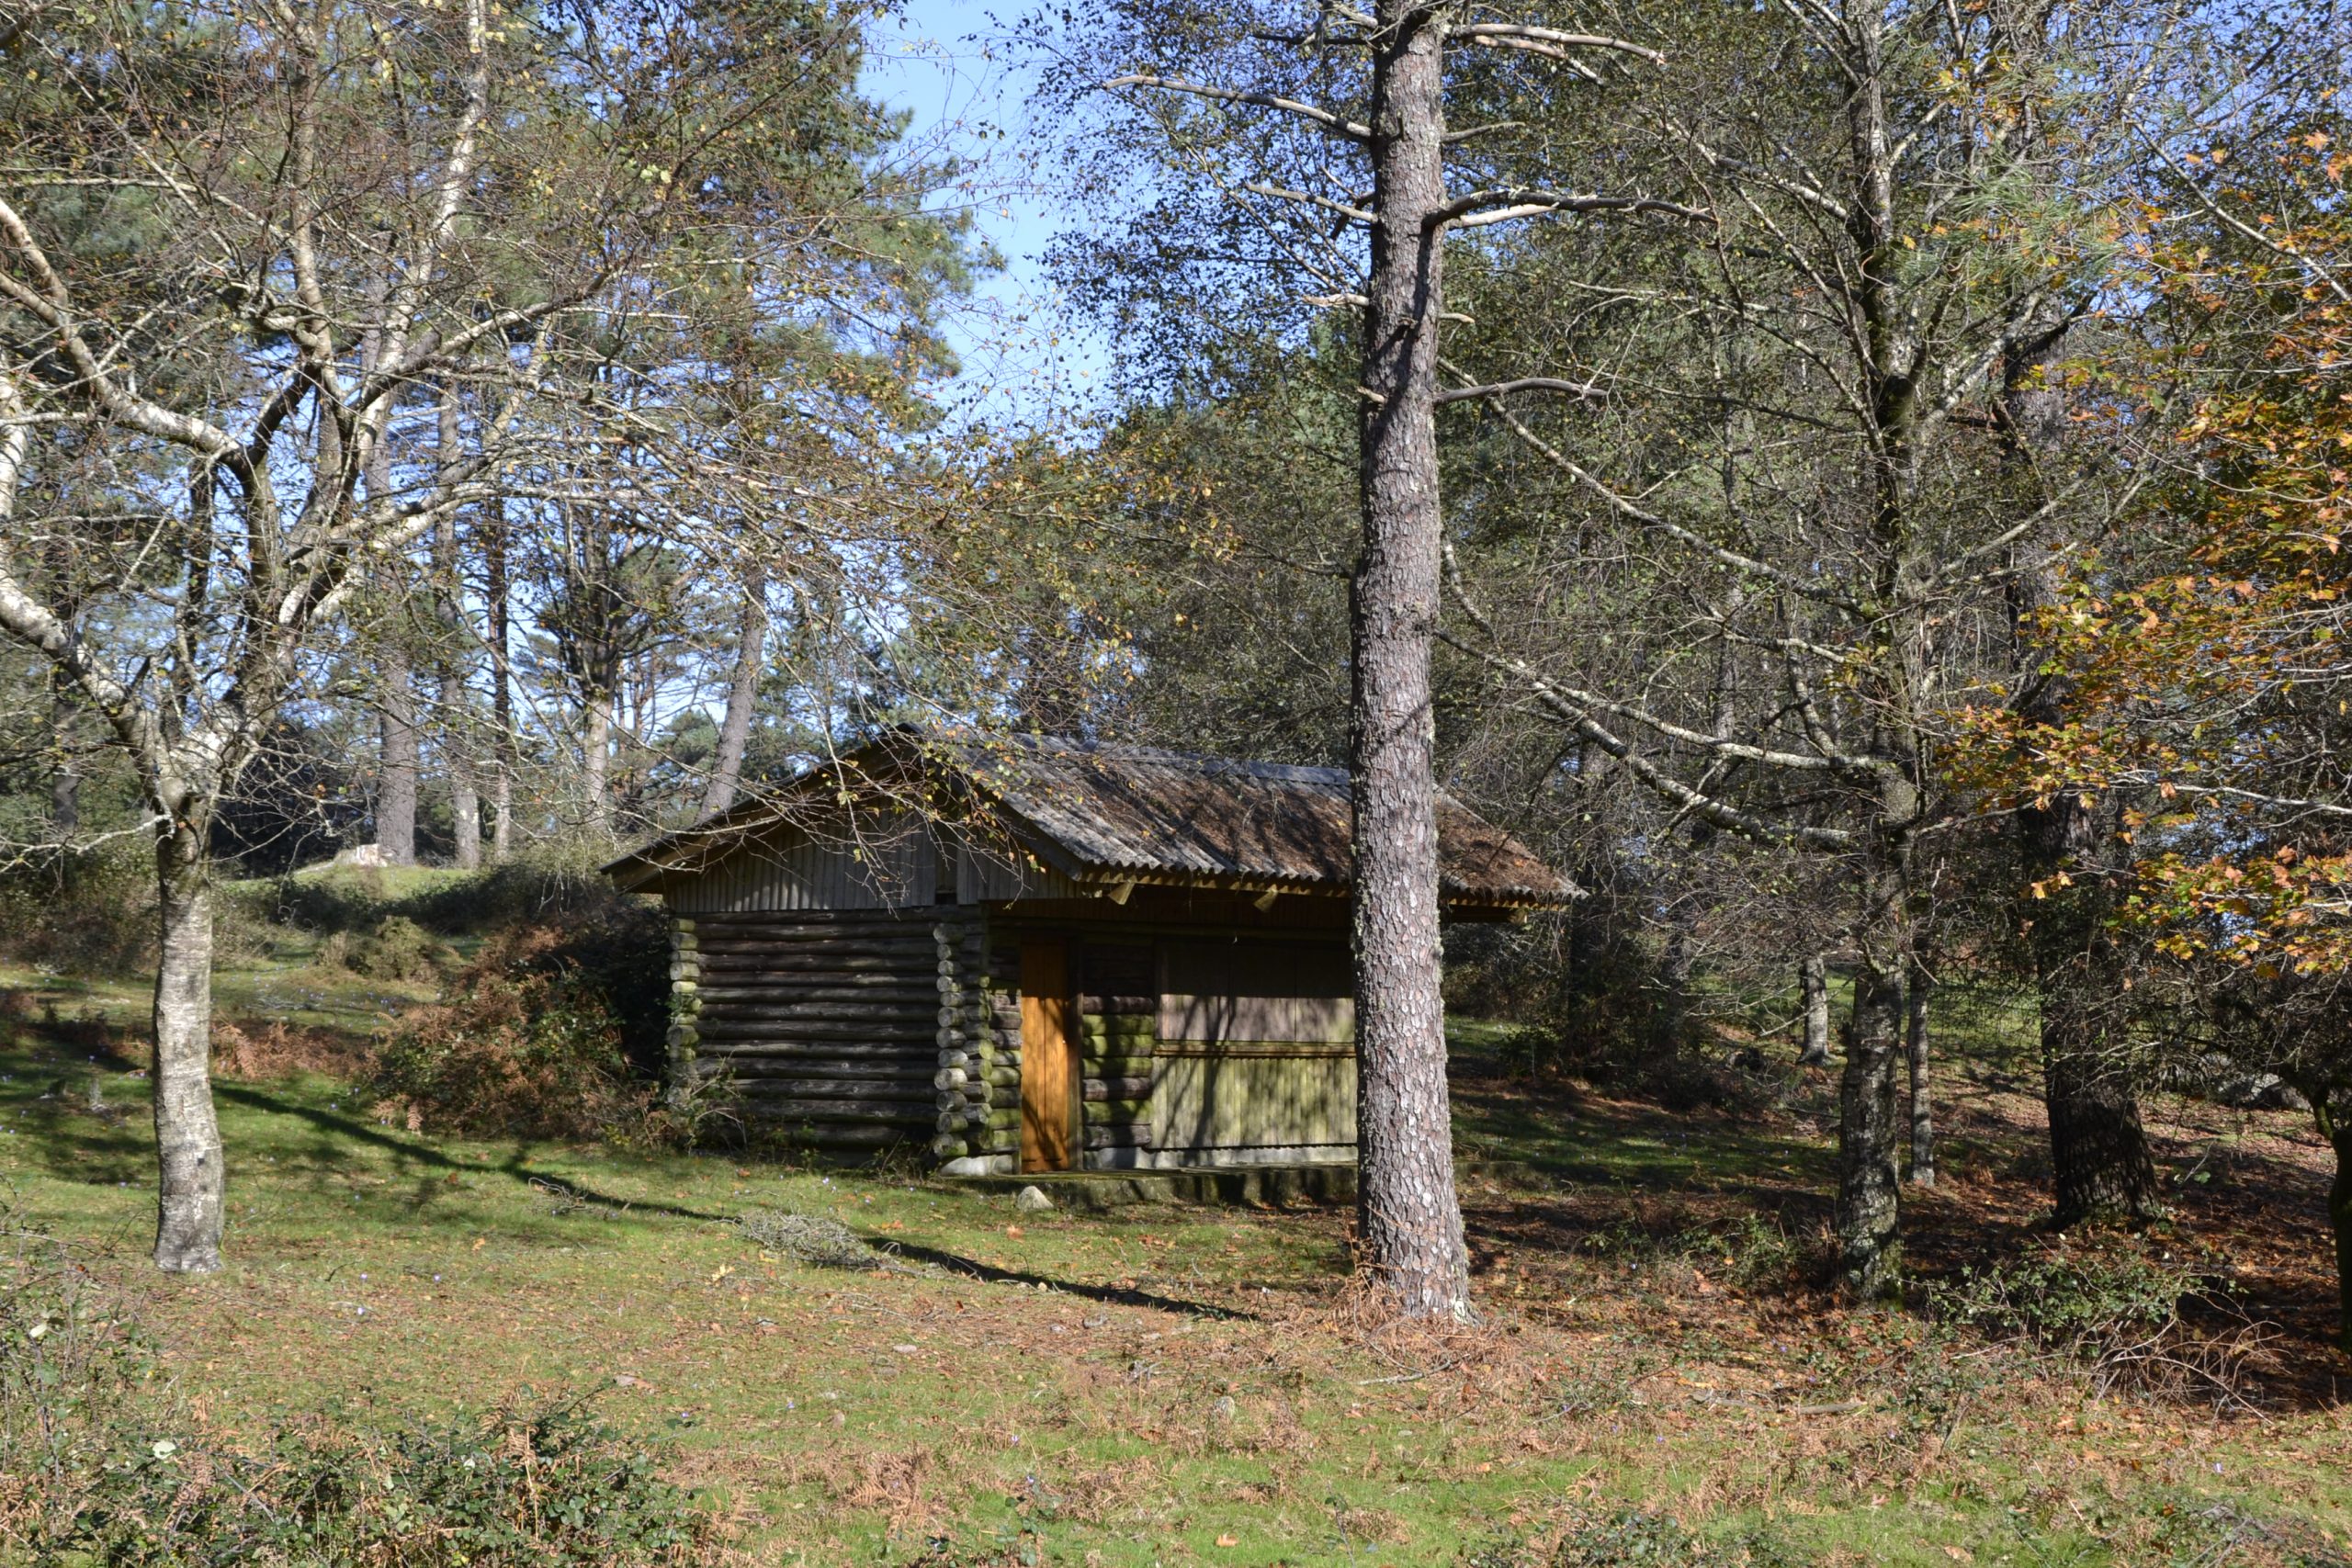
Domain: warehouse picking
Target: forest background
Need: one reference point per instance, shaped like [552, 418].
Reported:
[1870, 509]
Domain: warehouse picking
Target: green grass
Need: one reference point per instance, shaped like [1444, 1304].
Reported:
[1057, 1383]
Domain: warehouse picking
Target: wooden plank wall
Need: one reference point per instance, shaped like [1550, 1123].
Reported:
[1255, 1059]
[1262, 1098]
[881, 861]
[877, 860]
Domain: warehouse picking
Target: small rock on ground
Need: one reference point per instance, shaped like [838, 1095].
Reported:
[1032, 1200]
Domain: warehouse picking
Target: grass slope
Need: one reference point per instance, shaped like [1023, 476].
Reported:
[1189, 1386]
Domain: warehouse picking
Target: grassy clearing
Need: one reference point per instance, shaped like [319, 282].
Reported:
[1181, 1386]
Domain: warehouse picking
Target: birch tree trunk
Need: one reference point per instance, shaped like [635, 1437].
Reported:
[1869, 1196]
[498, 593]
[742, 697]
[1410, 1217]
[458, 731]
[597, 759]
[1813, 980]
[1923, 1124]
[189, 1195]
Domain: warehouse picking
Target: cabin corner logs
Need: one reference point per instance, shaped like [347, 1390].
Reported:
[858, 1031]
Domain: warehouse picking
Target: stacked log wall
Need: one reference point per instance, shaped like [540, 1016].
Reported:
[1118, 1010]
[832, 1027]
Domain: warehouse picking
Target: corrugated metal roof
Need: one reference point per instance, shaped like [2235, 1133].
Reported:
[1134, 813]
[1155, 813]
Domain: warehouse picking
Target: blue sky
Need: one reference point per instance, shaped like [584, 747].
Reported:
[1025, 355]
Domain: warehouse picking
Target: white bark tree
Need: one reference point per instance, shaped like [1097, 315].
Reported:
[348, 205]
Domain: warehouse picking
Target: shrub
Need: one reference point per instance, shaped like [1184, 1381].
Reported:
[255, 1051]
[93, 911]
[72, 1363]
[98, 1463]
[543, 1485]
[538, 1035]
[703, 1110]
[398, 949]
[1635, 1538]
[2071, 1300]
[2114, 1309]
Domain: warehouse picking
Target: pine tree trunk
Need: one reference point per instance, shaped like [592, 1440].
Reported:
[395, 683]
[396, 790]
[2099, 1163]
[2339, 1218]
[188, 1135]
[1410, 1217]
[502, 813]
[1813, 980]
[742, 697]
[1923, 1124]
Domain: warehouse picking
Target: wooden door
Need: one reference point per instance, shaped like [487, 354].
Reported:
[1048, 1059]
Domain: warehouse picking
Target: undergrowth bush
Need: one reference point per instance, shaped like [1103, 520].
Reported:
[93, 911]
[1635, 1538]
[542, 1483]
[2071, 1300]
[2116, 1309]
[256, 1052]
[396, 949]
[548, 1032]
[100, 1463]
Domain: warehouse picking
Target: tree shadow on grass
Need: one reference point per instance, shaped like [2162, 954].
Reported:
[516, 1167]
[1109, 1295]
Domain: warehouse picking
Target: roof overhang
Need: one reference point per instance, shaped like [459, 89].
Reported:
[799, 803]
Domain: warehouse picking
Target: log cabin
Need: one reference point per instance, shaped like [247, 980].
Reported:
[1015, 952]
